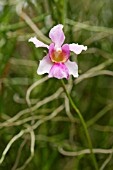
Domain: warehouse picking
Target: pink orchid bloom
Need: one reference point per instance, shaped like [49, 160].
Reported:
[56, 63]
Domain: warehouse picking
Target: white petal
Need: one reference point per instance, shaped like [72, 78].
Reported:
[72, 67]
[44, 65]
[77, 48]
[37, 43]
[57, 36]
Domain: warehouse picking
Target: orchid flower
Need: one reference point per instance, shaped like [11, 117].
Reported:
[56, 63]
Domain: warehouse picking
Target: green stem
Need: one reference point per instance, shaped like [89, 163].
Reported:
[83, 123]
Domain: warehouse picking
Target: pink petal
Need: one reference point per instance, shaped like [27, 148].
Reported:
[72, 67]
[37, 43]
[77, 48]
[44, 65]
[51, 50]
[57, 36]
[66, 50]
[59, 71]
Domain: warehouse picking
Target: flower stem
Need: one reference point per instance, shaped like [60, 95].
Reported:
[83, 123]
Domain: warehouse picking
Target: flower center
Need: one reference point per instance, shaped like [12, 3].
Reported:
[58, 56]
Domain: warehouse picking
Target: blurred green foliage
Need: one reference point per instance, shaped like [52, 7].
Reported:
[85, 22]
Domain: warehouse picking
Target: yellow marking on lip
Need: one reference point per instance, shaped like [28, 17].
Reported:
[59, 51]
[58, 56]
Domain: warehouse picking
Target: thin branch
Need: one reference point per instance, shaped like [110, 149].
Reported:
[46, 118]
[28, 130]
[106, 161]
[93, 70]
[32, 151]
[99, 115]
[85, 151]
[10, 144]
[29, 90]
[39, 104]
[19, 154]
[89, 27]
[31, 24]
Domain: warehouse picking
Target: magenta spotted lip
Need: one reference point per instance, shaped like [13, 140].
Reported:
[56, 63]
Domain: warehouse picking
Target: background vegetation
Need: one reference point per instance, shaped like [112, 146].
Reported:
[38, 127]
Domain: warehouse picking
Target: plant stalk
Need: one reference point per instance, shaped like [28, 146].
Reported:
[83, 123]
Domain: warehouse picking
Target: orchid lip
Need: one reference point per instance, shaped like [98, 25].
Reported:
[58, 57]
